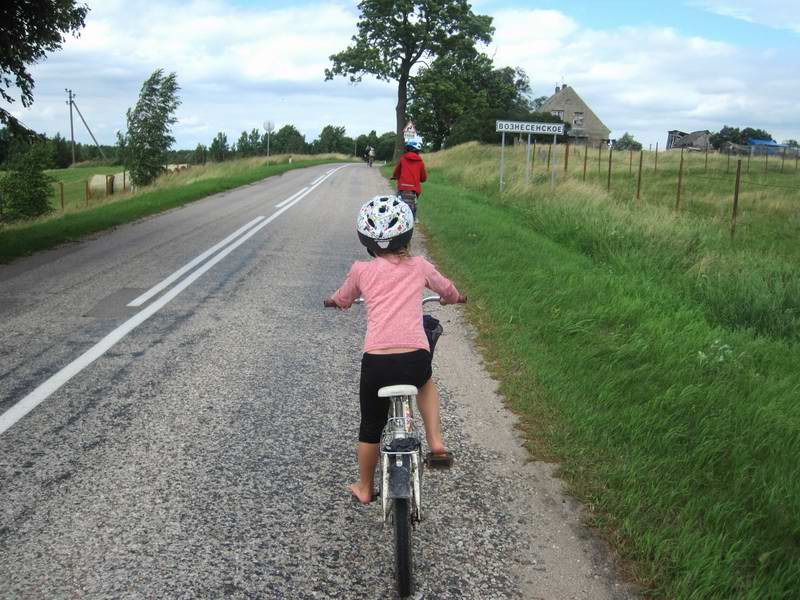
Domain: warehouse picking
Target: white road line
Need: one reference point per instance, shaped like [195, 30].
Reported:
[51, 385]
[191, 265]
[292, 197]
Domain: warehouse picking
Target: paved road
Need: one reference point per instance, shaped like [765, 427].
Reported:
[205, 452]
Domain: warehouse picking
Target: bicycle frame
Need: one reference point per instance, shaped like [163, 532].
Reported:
[401, 457]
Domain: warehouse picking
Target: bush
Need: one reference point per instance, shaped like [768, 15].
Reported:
[25, 190]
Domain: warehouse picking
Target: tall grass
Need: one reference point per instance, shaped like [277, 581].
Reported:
[678, 425]
[751, 282]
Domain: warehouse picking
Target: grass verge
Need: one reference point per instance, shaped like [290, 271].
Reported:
[169, 192]
[679, 431]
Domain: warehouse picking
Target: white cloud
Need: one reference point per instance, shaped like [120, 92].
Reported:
[240, 66]
[779, 14]
[236, 67]
[649, 79]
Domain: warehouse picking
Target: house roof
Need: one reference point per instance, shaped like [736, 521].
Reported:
[566, 99]
[691, 138]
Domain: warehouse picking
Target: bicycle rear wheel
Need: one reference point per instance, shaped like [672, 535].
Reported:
[402, 546]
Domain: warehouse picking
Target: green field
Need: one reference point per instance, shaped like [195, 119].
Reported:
[168, 191]
[649, 354]
[74, 180]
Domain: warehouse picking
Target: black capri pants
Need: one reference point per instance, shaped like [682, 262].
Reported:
[379, 370]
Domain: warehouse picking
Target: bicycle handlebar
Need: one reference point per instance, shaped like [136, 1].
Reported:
[328, 303]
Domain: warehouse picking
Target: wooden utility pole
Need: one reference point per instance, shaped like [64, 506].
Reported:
[680, 183]
[61, 193]
[566, 159]
[736, 197]
[71, 127]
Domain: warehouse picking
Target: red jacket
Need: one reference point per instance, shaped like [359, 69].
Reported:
[410, 172]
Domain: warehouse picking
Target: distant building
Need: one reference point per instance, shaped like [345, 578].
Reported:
[697, 140]
[585, 126]
[762, 147]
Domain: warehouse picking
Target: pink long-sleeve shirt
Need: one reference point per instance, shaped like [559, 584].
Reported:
[392, 290]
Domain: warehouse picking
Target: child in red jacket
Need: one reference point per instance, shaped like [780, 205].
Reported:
[410, 173]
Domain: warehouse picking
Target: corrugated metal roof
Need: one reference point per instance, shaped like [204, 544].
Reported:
[754, 142]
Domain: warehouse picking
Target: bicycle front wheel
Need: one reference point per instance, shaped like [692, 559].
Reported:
[402, 546]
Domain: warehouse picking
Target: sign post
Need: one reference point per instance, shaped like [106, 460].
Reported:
[528, 162]
[502, 161]
[555, 129]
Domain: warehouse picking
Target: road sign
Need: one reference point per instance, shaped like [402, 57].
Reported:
[503, 127]
[529, 127]
[409, 131]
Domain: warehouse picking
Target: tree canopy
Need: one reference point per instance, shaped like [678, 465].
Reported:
[735, 135]
[28, 30]
[149, 136]
[461, 86]
[394, 36]
[627, 142]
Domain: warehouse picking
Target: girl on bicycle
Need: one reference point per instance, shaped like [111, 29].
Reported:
[396, 349]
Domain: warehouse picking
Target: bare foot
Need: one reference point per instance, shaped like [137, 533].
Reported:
[363, 495]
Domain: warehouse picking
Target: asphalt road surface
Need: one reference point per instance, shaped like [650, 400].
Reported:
[188, 432]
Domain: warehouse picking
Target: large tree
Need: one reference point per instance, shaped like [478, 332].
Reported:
[394, 35]
[144, 146]
[219, 150]
[287, 140]
[28, 30]
[459, 83]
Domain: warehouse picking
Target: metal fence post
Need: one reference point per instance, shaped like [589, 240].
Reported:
[585, 159]
[680, 183]
[553, 173]
[88, 193]
[736, 197]
[639, 178]
[566, 159]
[655, 169]
[610, 154]
[61, 193]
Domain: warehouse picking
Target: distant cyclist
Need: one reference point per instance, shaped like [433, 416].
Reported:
[410, 173]
[371, 155]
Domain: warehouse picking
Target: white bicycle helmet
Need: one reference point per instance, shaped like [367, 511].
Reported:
[385, 223]
[414, 144]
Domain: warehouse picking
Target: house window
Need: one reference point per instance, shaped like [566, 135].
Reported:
[558, 113]
[577, 120]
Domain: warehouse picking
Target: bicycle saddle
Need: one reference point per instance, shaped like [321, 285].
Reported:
[397, 390]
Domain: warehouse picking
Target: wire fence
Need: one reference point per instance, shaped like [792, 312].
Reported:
[692, 176]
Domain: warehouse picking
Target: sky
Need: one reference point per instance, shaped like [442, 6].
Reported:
[643, 67]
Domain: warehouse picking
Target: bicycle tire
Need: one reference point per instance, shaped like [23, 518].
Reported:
[402, 547]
